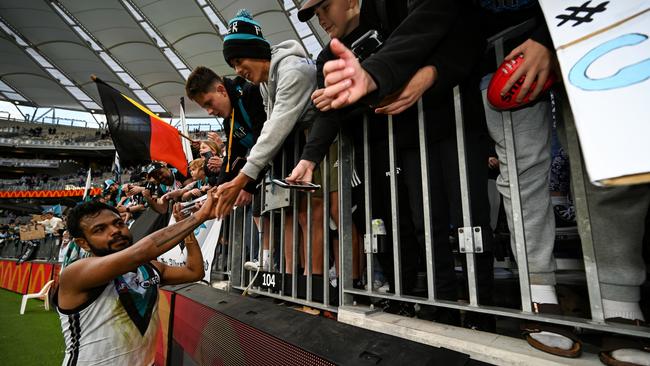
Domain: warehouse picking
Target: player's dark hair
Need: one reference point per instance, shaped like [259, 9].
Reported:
[91, 208]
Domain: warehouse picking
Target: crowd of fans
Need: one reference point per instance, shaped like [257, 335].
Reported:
[58, 135]
[288, 102]
[59, 182]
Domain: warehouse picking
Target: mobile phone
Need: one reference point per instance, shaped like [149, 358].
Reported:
[369, 43]
[207, 155]
[188, 207]
[299, 185]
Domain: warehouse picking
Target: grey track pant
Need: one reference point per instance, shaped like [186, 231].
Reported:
[532, 129]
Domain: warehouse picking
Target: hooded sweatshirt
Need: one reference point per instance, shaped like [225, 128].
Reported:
[287, 100]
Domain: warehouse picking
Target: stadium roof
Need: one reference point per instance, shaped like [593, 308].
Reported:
[144, 48]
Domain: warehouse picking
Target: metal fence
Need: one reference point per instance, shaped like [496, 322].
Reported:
[243, 238]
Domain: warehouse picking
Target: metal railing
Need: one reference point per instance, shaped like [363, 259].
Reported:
[312, 290]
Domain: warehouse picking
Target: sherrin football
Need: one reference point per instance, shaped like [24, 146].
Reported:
[501, 76]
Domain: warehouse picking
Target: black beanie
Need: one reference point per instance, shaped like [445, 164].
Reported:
[245, 39]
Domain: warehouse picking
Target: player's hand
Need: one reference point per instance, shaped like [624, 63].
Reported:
[227, 194]
[206, 209]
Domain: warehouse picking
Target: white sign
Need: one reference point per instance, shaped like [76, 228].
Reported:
[604, 53]
[207, 234]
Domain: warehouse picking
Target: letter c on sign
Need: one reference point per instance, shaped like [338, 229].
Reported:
[626, 76]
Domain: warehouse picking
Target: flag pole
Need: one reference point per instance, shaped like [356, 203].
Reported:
[185, 136]
[187, 146]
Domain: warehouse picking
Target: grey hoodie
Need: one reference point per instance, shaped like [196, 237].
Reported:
[287, 100]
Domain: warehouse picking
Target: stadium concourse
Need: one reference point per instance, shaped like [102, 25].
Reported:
[324, 182]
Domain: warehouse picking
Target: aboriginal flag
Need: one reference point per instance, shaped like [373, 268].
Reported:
[139, 135]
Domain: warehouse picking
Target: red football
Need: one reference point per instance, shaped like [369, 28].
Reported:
[501, 76]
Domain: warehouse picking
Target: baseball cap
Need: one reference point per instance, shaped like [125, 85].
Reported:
[152, 167]
[307, 10]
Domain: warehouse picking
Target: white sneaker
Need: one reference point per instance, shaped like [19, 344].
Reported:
[251, 265]
[384, 288]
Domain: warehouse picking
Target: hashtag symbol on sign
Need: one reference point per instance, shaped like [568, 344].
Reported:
[577, 10]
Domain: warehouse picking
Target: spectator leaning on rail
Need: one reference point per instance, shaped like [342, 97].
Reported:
[51, 223]
[532, 126]
[239, 103]
[107, 302]
[287, 77]
[446, 62]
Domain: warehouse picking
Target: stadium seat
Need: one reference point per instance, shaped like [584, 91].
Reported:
[40, 295]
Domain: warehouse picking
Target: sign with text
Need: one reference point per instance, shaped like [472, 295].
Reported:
[15, 277]
[269, 281]
[207, 234]
[604, 53]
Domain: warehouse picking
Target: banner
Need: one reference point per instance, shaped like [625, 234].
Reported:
[40, 275]
[15, 277]
[164, 314]
[207, 234]
[604, 54]
[49, 194]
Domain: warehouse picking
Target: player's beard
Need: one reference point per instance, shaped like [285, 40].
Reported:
[100, 252]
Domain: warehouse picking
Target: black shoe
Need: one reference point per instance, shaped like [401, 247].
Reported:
[399, 308]
[565, 216]
[439, 315]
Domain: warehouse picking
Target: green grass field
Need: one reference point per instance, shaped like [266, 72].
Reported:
[31, 339]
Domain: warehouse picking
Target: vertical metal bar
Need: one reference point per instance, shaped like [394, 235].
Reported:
[260, 239]
[326, 232]
[345, 218]
[465, 195]
[250, 243]
[426, 203]
[243, 247]
[583, 217]
[368, 206]
[234, 240]
[294, 201]
[235, 251]
[283, 219]
[309, 248]
[394, 204]
[515, 199]
[268, 266]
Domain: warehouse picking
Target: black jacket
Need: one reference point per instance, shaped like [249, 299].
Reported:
[417, 34]
[496, 17]
[452, 45]
[245, 99]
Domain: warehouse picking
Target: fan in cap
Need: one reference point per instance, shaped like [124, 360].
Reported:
[307, 11]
